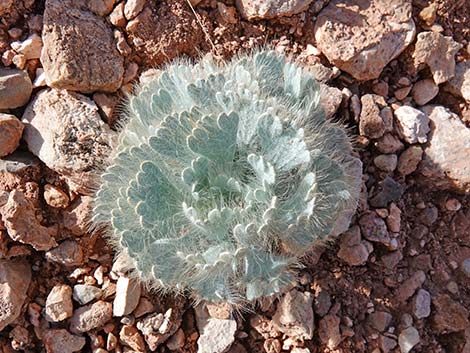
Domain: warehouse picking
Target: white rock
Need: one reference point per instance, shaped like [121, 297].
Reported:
[127, 296]
[59, 303]
[30, 47]
[422, 304]
[412, 124]
[133, 8]
[460, 83]
[407, 339]
[253, 9]
[84, 293]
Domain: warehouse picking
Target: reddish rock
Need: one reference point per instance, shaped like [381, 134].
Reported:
[380, 320]
[371, 122]
[409, 160]
[59, 303]
[11, 130]
[61, 341]
[409, 287]
[68, 253]
[353, 250]
[15, 88]
[328, 331]
[91, 316]
[449, 316]
[131, 337]
[424, 91]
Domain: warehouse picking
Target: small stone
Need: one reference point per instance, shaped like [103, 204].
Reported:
[412, 124]
[389, 190]
[11, 130]
[330, 99]
[380, 320]
[31, 47]
[453, 205]
[294, 315]
[371, 123]
[59, 303]
[176, 341]
[445, 161]
[388, 144]
[386, 344]
[328, 331]
[101, 7]
[40, 80]
[422, 304]
[251, 10]
[68, 253]
[402, 93]
[409, 160]
[127, 296]
[373, 228]
[131, 72]
[15, 88]
[353, 250]
[409, 287]
[91, 316]
[459, 85]
[131, 337]
[84, 293]
[228, 13]
[407, 339]
[158, 327]
[15, 278]
[428, 215]
[424, 91]
[392, 259]
[380, 88]
[122, 45]
[61, 341]
[428, 14]
[394, 219]
[386, 162]
[55, 197]
[117, 16]
[322, 303]
[133, 8]
[437, 52]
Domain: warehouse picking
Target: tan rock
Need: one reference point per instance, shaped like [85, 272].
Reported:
[61, 341]
[55, 196]
[19, 217]
[412, 124]
[445, 161]
[79, 51]
[15, 88]
[31, 47]
[91, 316]
[131, 337]
[127, 296]
[362, 40]
[133, 8]
[59, 303]
[437, 52]
[253, 9]
[101, 7]
[15, 278]
[11, 130]
[51, 119]
[460, 83]
[117, 16]
[409, 160]
[371, 121]
[424, 91]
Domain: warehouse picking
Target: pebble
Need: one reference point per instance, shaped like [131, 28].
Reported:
[101, 7]
[91, 316]
[61, 341]
[131, 337]
[328, 331]
[373, 228]
[371, 123]
[453, 205]
[15, 278]
[132, 8]
[322, 302]
[127, 296]
[76, 217]
[59, 303]
[402, 93]
[394, 218]
[353, 250]
[412, 124]
[428, 14]
[407, 339]
[330, 99]
[424, 91]
[409, 160]
[362, 40]
[176, 341]
[380, 320]
[388, 144]
[84, 293]
[466, 267]
[11, 130]
[294, 315]
[31, 47]
[68, 253]
[272, 345]
[422, 304]
[117, 15]
[438, 53]
[15, 88]
[386, 162]
[389, 190]
[55, 197]
[271, 8]
[157, 327]
[459, 85]
[409, 287]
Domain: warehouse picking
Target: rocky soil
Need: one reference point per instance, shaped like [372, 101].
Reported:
[396, 72]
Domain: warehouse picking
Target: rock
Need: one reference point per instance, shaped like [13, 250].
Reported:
[85, 293]
[322, 303]
[408, 287]
[407, 339]
[294, 315]
[176, 341]
[157, 327]
[389, 190]
[15, 88]
[445, 160]
[252, 9]
[127, 296]
[215, 335]
[409, 160]
[466, 267]
[387, 343]
[65, 131]
[76, 217]
[371, 123]
[91, 316]
[459, 85]
[79, 52]
[428, 14]
[131, 337]
[394, 218]
[362, 40]
[330, 99]
[422, 304]
[68, 253]
[15, 278]
[412, 124]
[133, 8]
[16, 168]
[424, 91]
[380, 320]
[55, 197]
[179, 32]
[353, 250]
[328, 331]
[30, 47]
[59, 303]
[11, 130]
[272, 345]
[19, 217]
[388, 144]
[437, 52]
[386, 162]
[61, 341]
[373, 228]
[449, 316]
[101, 7]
